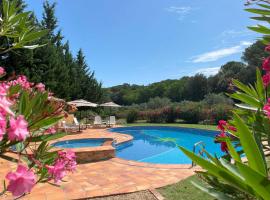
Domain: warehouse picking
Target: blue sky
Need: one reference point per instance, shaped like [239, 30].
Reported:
[144, 41]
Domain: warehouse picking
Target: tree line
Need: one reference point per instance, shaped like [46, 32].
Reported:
[193, 88]
[66, 75]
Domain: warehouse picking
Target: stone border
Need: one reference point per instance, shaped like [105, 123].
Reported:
[157, 195]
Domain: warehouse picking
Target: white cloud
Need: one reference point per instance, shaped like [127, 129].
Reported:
[210, 71]
[236, 33]
[181, 11]
[246, 43]
[220, 53]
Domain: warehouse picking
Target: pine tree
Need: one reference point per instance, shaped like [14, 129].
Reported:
[49, 20]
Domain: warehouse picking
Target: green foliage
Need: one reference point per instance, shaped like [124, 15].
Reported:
[193, 88]
[214, 99]
[157, 103]
[190, 112]
[251, 178]
[17, 30]
[263, 11]
[132, 116]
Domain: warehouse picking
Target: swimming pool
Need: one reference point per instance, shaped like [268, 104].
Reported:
[79, 143]
[147, 145]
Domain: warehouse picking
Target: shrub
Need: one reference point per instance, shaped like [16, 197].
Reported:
[170, 114]
[155, 116]
[157, 103]
[221, 112]
[213, 99]
[132, 116]
[190, 112]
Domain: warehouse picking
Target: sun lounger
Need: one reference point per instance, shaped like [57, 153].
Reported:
[98, 121]
[81, 126]
[112, 121]
[70, 127]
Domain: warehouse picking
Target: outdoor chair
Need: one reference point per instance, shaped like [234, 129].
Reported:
[98, 121]
[70, 127]
[81, 126]
[112, 121]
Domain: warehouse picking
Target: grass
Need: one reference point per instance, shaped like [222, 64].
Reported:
[184, 190]
[199, 126]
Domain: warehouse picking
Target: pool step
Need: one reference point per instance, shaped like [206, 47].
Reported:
[201, 151]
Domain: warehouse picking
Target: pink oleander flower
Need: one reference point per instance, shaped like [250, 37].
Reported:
[20, 182]
[5, 105]
[18, 129]
[232, 128]
[2, 71]
[3, 124]
[22, 81]
[50, 131]
[3, 89]
[223, 145]
[266, 79]
[221, 125]
[266, 108]
[40, 87]
[267, 48]
[266, 64]
[69, 159]
[66, 162]
[57, 171]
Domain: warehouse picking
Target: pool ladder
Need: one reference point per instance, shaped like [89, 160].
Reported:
[198, 144]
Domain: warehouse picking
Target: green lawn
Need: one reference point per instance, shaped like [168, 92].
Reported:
[200, 126]
[184, 190]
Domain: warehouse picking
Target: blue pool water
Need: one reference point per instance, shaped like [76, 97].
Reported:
[148, 147]
[79, 143]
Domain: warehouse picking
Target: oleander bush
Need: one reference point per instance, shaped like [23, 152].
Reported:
[28, 114]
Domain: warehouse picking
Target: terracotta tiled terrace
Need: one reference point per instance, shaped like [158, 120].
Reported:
[113, 176]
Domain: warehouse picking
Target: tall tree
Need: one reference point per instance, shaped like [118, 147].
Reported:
[49, 21]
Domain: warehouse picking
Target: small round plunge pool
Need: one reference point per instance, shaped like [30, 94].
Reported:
[80, 143]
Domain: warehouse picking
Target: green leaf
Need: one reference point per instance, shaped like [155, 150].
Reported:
[258, 11]
[250, 147]
[46, 138]
[259, 85]
[218, 171]
[260, 29]
[45, 123]
[244, 88]
[263, 5]
[211, 191]
[264, 18]
[247, 99]
[256, 180]
[34, 35]
[232, 150]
